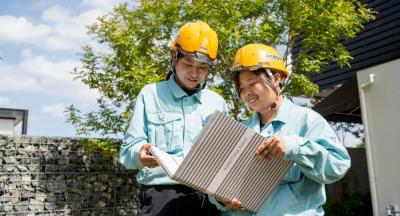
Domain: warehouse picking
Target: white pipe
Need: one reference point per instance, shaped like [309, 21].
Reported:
[371, 171]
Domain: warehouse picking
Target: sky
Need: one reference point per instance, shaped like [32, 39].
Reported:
[40, 42]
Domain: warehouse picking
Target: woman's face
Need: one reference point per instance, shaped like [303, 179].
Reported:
[256, 94]
[190, 73]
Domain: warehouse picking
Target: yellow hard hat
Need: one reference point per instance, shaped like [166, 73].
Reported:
[197, 37]
[256, 56]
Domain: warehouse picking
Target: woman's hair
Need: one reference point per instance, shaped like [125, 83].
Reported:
[262, 73]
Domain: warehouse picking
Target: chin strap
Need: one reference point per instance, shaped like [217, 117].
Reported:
[271, 83]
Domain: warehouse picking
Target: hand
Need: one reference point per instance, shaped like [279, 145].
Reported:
[233, 204]
[272, 147]
[146, 158]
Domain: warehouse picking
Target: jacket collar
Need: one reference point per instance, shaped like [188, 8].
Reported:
[282, 117]
[178, 92]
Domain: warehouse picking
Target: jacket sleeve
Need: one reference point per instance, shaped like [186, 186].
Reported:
[217, 204]
[135, 137]
[319, 153]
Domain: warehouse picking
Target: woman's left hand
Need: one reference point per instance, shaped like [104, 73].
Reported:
[274, 146]
[233, 204]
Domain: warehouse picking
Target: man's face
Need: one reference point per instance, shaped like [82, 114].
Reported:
[190, 73]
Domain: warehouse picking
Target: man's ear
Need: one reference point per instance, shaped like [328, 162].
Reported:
[174, 60]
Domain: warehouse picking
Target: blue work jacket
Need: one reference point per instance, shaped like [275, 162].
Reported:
[319, 159]
[164, 115]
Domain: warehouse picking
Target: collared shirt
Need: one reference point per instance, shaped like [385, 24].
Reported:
[319, 158]
[164, 115]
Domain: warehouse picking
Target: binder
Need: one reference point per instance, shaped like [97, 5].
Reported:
[223, 162]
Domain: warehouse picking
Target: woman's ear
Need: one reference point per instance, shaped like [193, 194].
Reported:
[278, 79]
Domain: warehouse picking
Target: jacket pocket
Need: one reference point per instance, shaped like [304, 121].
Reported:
[282, 201]
[163, 125]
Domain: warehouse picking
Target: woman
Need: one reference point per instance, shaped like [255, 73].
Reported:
[293, 132]
[170, 115]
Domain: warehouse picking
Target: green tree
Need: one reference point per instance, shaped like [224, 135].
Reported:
[133, 47]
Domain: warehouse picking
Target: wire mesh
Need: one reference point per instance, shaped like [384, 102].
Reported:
[53, 176]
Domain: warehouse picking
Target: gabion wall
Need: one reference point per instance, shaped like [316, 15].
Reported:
[52, 176]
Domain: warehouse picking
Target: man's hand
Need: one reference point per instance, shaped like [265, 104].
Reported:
[272, 147]
[233, 204]
[146, 158]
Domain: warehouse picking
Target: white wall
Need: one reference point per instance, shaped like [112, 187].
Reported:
[380, 106]
[7, 126]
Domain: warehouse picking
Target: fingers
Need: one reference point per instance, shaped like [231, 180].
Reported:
[149, 161]
[144, 151]
[234, 204]
[264, 148]
[271, 147]
[146, 158]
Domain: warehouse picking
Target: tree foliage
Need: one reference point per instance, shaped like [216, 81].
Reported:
[135, 39]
